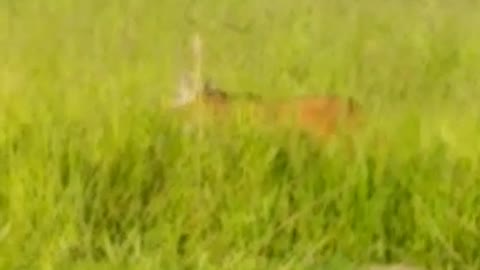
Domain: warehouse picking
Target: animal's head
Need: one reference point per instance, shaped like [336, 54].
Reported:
[187, 93]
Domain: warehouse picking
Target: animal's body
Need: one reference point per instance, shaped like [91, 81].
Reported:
[320, 116]
[317, 115]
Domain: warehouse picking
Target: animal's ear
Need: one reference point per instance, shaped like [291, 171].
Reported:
[184, 93]
[209, 86]
[353, 105]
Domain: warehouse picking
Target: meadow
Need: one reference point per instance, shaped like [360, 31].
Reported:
[96, 172]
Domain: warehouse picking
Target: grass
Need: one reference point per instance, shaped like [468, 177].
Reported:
[97, 174]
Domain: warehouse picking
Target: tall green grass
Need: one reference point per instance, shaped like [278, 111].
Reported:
[97, 174]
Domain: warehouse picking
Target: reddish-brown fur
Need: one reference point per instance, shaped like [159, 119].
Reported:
[320, 116]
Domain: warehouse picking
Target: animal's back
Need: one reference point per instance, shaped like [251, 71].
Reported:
[321, 115]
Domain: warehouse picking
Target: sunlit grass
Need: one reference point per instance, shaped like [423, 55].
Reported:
[97, 173]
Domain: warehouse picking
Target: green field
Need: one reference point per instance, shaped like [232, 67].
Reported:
[96, 172]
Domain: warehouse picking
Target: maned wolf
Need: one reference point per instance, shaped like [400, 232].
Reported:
[317, 115]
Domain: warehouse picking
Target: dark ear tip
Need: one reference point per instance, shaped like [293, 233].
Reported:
[353, 104]
[207, 84]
